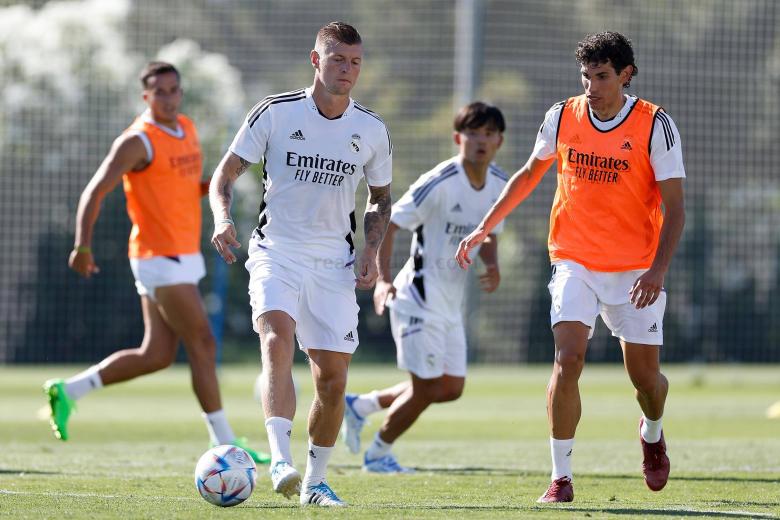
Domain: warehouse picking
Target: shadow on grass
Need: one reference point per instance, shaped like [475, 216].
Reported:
[27, 472]
[507, 472]
[646, 512]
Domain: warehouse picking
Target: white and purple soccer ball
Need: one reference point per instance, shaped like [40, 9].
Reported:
[225, 475]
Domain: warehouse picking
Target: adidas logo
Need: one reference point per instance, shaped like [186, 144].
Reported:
[349, 337]
[311, 454]
[457, 208]
[626, 146]
[653, 328]
[297, 135]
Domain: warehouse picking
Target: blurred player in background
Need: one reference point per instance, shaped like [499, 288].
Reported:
[315, 145]
[158, 158]
[427, 296]
[616, 220]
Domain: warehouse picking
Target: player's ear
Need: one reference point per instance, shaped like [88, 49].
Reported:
[314, 56]
[456, 138]
[500, 141]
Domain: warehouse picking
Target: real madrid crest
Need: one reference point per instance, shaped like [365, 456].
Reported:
[354, 143]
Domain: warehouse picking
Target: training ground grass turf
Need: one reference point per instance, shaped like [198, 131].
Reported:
[133, 449]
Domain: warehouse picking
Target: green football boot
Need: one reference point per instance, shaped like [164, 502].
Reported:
[258, 456]
[61, 407]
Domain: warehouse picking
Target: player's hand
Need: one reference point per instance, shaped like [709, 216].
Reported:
[367, 271]
[646, 289]
[473, 239]
[489, 280]
[83, 263]
[223, 239]
[383, 293]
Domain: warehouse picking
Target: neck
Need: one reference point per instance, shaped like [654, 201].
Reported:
[611, 111]
[476, 172]
[173, 124]
[329, 105]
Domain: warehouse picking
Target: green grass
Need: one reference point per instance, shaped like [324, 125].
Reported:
[133, 448]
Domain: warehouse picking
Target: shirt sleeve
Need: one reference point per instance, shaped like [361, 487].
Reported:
[416, 205]
[252, 138]
[547, 139]
[379, 168]
[666, 149]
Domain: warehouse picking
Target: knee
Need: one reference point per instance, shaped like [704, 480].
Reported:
[569, 363]
[331, 386]
[204, 346]
[449, 393]
[158, 358]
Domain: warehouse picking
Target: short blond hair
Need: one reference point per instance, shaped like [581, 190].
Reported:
[337, 32]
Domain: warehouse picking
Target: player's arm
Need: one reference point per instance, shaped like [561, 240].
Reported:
[488, 253]
[228, 171]
[375, 221]
[384, 290]
[517, 189]
[127, 153]
[648, 287]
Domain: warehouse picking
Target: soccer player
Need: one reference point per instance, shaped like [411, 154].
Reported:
[158, 159]
[616, 220]
[426, 297]
[315, 145]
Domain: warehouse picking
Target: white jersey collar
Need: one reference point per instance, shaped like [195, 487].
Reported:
[313, 106]
[147, 118]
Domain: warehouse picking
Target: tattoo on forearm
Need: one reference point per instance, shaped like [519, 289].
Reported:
[377, 215]
[242, 167]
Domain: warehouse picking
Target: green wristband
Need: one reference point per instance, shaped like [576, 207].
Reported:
[83, 249]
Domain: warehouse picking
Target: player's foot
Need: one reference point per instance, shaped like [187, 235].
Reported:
[61, 407]
[655, 465]
[560, 490]
[386, 464]
[321, 495]
[285, 479]
[352, 425]
[259, 457]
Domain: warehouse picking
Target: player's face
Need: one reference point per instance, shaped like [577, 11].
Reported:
[479, 145]
[604, 86]
[338, 66]
[163, 95]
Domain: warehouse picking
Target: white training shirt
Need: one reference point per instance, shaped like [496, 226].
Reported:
[665, 146]
[441, 207]
[312, 166]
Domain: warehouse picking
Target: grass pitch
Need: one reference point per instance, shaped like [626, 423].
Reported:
[134, 446]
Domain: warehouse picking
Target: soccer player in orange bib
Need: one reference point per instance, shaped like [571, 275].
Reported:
[158, 159]
[615, 222]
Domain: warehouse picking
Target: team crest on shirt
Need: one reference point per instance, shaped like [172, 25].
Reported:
[354, 143]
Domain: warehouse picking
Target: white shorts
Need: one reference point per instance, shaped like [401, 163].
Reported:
[428, 348]
[161, 271]
[579, 294]
[322, 304]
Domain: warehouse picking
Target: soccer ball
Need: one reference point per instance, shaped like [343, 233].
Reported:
[225, 475]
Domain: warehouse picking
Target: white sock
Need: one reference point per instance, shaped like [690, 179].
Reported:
[279, 430]
[378, 448]
[317, 464]
[366, 404]
[83, 383]
[561, 458]
[651, 430]
[220, 431]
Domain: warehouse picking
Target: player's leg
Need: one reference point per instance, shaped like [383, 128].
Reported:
[277, 394]
[403, 413]
[329, 373]
[157, 351]
[573, 315]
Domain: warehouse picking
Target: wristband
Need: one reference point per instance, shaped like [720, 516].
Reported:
[226, 221]
[83, 249]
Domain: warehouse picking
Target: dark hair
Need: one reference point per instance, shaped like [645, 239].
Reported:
[154, 68]
[607, 46]
[338, 32]
[478, 114]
